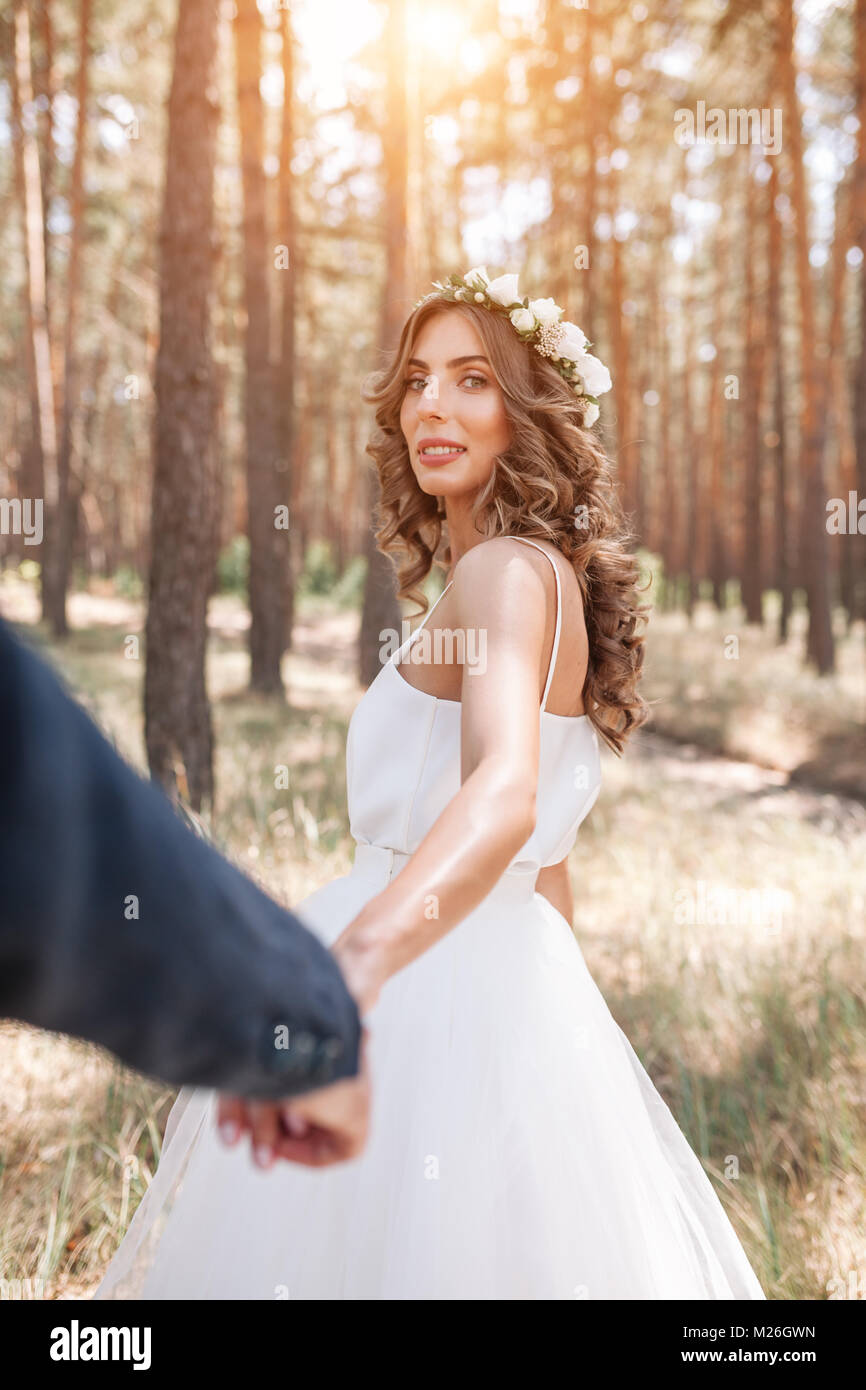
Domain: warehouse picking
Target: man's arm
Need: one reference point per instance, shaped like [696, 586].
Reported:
[120, 925]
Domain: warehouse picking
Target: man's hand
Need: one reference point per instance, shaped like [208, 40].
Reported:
[319, 1128]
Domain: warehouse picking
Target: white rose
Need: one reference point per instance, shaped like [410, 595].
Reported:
[523, 320]
[546, 310]
[503, 290]
[477, 278]
[573, 343]
[594, 374]
[590, 414]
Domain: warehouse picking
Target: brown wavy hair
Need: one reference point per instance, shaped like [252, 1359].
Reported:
[552, 467]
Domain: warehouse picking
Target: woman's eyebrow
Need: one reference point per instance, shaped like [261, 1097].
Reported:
[455, 361]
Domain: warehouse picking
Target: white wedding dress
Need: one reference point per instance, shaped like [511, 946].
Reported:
[518, 1149]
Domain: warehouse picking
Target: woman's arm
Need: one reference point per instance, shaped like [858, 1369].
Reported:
[501, 593]
[554, 884]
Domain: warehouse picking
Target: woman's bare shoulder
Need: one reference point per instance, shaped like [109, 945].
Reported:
[510, 560]
[497, 555]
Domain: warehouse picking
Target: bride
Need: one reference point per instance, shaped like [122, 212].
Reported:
[517, 1147]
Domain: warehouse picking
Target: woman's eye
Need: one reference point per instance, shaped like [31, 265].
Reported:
[412, 383]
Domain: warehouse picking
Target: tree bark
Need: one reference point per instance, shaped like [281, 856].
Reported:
[858, 543]
[820, 644]
[691, 461]
[779, 448]
[852, 575]
[59, 560]
[381, 609]
[715, 530]
[289, 280]
[44, 82]
[39, 347]
[266, 483]
[751, 565]
[620, 336]
[185, 472]
[590, 192]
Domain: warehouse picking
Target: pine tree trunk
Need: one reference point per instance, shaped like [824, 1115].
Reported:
[858, 543]
[334, 495]
[381, 609]
[715, 522]
[289, 280]
[852, 577]
[691, 461]
[31, 481]
[590, 191]
[103, 537]
[38, 348]
[44, 83]
[820, 645]
[185, 502]
[667, 494]
[356, 493]
[622, 386]
[751, 564]
[300, 488]
[68, 493]
[266, 483]
[781, 558]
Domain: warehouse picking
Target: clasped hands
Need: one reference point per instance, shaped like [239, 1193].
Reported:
[324, 1126]
[328, 1125]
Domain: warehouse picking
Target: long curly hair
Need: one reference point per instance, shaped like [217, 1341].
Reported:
[553, 482]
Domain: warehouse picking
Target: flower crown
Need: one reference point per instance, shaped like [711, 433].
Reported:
[536, 321]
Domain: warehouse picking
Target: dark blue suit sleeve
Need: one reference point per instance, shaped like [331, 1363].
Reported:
[120, 925]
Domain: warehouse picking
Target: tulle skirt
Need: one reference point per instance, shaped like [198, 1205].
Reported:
[518, 1149]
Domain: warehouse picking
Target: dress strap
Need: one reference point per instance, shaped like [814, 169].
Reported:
[558, 628]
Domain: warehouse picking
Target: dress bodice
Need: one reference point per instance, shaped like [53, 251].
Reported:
[403, 762]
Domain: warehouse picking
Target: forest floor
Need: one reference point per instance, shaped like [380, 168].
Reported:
[719, 905]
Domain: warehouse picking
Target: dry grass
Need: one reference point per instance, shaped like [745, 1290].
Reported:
[734, 689]
[753, 1027]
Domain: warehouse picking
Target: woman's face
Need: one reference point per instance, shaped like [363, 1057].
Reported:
[452, 404]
